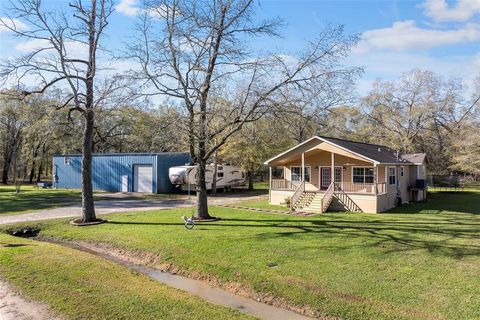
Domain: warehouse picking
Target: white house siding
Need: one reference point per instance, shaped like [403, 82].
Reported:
[367, 203]
[278, 196]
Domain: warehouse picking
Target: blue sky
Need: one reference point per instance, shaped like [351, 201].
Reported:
[396, 36]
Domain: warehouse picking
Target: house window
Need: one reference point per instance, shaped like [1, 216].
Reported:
[402, 171]
[220, 174]
[66, 161]
[338, 175]
[362, 175]
[296, 173]
[392, 175]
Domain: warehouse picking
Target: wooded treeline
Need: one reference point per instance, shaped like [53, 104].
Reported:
[419, 112]
[222, 99]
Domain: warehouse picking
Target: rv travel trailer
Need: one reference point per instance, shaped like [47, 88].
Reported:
[227, 176]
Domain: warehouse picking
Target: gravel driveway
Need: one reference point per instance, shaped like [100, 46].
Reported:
[15, 307]
[122, 205]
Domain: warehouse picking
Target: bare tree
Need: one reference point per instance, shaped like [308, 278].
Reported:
[12, 126]
[196, 52]
[419, 111]
[66, 47]
[303, 109]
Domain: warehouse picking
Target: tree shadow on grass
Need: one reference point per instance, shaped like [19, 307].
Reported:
[14, 245]
[443, 202]
[437, 237]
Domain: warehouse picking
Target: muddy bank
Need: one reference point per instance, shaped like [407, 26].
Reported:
[14, 307]
[138, 260]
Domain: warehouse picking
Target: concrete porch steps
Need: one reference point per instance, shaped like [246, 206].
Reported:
[315, 203]
[304, 200]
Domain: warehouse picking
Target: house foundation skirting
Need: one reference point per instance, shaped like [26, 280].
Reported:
[366, 202]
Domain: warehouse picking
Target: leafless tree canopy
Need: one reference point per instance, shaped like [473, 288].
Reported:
[63, 45]
[197, 52]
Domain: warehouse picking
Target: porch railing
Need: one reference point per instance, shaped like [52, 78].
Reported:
[347, 187]
[298, 193]
[381, 188]
[282, 184]
[327, 197]
[370, 188]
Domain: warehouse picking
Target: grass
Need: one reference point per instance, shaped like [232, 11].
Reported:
[420, 261]
[31, 199]
[78, 285]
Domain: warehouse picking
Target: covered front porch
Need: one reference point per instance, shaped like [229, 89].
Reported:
[348, 187]
[320, 176]
[318, 167]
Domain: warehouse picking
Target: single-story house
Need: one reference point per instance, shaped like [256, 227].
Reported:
[328, 173]
[120, 172]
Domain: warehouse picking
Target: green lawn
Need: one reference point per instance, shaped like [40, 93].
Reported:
[31, 199]
[421, 261]
[78, 285]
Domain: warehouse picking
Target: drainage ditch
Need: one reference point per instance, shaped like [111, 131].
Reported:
[192, 286]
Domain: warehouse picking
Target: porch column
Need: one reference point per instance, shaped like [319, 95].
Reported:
[270, 183]
[332, 172]
[375, 178]
[303, 167]
[386, 177]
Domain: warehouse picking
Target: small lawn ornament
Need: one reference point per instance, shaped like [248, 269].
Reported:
[189, 222]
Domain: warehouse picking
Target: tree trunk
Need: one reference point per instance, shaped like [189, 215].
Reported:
[202, 204]
[40, 168]
[250, 180]
[5, 169]
[8, 155]
[88, 208]
[32, 173]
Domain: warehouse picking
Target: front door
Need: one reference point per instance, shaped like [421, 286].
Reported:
[325, 178]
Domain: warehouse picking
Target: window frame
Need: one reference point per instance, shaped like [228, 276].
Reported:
[300, 174]
[364, 175]
[394, 176]
[402, 171]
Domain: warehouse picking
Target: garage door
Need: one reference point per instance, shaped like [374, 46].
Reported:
[142, 178]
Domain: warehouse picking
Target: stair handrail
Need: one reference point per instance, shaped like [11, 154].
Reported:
[327, 197]
[297, 194]
[340, 191]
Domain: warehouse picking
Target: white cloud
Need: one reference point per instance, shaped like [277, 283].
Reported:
[31, 45]
[128, 7]
[440, 11]
[405, 35]
[476, 62]
[74, 49]
[131, 8]
[389, 65]
[7, 23]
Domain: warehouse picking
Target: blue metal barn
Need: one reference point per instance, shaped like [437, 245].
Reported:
[120, 172]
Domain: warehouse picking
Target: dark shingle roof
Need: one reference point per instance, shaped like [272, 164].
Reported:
[415, 157]
[375, 152]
